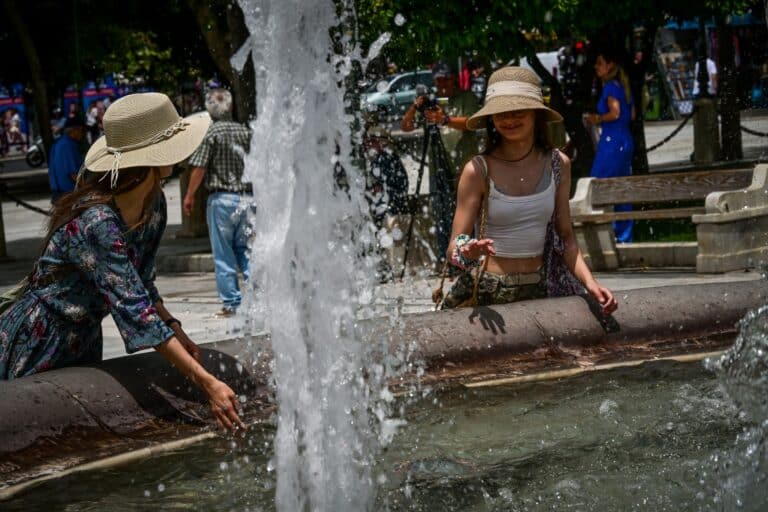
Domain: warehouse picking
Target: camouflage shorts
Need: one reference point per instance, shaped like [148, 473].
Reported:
[493, 289]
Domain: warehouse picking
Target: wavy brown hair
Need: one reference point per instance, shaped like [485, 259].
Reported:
[94, 189]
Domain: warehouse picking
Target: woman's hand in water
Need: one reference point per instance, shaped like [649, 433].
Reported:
[603, 296]
[475, 248]
[224, 405]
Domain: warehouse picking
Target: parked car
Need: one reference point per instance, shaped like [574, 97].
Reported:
[548, 59]
[396, 93]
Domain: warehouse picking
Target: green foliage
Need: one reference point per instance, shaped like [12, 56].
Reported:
[492, 29]
[136, 55]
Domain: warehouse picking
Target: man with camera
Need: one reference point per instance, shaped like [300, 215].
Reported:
[450, 144]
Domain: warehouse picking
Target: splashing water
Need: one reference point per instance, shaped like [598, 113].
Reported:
[739, 475]
[309, 237]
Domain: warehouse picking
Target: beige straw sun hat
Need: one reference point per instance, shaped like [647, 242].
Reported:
[509, 89]
[144, 129]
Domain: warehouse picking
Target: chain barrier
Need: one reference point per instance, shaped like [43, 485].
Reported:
[21, 202]
[674, 132]
[753, 132]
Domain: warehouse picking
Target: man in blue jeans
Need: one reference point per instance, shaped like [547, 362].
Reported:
[219, 162]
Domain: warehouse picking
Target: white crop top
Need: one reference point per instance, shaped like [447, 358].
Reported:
[518, 224]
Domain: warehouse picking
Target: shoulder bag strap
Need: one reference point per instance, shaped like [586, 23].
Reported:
[483, 223]
[437, 294]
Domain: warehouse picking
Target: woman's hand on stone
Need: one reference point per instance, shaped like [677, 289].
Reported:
[604, 297]
[224, 406]
[476, 248]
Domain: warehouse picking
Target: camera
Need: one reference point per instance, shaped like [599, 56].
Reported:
[429, 102]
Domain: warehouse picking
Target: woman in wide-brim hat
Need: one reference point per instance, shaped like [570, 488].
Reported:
[512, 231]
[99, 252]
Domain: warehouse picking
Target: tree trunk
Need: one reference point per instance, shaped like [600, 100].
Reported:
[730, 118]
[223, 27]
[216, 39]
[243, 83]
[636, 73]
[39, 88]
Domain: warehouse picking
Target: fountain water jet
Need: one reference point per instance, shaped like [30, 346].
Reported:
[310, 234]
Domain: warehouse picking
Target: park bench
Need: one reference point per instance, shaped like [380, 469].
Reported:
[729, 208]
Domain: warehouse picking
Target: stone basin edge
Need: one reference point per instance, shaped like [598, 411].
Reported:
[122, 395]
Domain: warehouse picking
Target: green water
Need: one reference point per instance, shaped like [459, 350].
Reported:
[643, 438]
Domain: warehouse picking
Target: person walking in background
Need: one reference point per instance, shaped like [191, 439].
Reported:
[711, 74]
[615, 112]
[477, 81]
[386, 193]
[58, 121]
[65, 158]
[99, 257]
[460, 144]
[219, 161]
[92, 123]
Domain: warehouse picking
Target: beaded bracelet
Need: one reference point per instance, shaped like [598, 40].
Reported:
[457, 257]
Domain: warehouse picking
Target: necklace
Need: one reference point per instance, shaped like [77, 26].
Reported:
[515, 159]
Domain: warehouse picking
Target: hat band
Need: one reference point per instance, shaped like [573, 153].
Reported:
[513, 88]
[117, 152]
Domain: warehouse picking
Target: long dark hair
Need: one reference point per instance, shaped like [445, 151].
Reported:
[541, 137]
[94, 189]
[618, 73]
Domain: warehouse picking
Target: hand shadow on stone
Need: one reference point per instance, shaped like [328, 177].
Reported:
[607, 322]
[490, 320]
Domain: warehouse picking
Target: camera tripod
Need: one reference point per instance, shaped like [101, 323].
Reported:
[432, 145]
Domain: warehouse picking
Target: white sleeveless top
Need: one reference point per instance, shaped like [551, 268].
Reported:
[518, 224]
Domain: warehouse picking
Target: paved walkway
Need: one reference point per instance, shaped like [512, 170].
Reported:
[192, 296]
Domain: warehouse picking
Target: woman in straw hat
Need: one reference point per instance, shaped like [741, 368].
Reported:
[514, 197]
[98, 256]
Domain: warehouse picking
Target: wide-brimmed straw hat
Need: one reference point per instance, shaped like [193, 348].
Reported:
[144, 129]
[509, 89]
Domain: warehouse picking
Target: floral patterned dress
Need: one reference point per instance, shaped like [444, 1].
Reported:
[101, 267]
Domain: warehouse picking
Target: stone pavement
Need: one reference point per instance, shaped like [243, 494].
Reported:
[191, 296]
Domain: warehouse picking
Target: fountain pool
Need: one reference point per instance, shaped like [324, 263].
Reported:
[649, 437]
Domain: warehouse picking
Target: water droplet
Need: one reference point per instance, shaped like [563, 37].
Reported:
[223, 466]
[399, 20]
[160, 487]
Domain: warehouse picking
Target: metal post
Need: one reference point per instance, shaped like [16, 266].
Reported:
[706, 132]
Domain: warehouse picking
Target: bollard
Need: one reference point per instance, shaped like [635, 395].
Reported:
[193, 226]
[706, 134]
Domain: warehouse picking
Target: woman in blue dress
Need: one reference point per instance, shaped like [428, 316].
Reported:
[615, 112]
[99, 254]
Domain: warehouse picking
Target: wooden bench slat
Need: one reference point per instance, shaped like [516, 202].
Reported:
[672, 213]
[663, 187]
